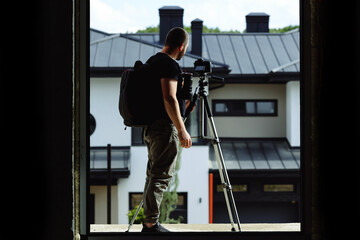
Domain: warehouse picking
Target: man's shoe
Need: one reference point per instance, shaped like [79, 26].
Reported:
[156, 228]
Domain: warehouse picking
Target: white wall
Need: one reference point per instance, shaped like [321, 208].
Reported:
[193, 179]
[100, 193]
[252, 127]
[293, 113]
[104, 98]
[134, 183]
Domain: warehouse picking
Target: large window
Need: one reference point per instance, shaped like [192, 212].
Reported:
[241, 107]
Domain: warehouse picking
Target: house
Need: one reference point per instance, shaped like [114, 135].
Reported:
[256, 112]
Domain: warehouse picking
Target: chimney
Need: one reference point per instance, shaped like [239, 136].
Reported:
[196, 36]
[257, 22]
[170, 17]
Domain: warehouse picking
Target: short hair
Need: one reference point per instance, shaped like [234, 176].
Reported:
[176, 37]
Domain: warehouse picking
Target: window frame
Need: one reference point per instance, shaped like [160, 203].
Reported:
[235, 114]
[81, 156]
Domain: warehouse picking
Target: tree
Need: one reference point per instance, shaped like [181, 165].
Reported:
[153, 29]
[284, 29]
[206, 29]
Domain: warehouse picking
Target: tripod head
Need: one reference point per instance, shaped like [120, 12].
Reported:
[202, 68]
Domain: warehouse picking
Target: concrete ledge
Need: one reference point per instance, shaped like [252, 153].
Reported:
[245, 227]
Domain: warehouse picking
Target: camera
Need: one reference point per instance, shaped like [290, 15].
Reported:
[202, 67]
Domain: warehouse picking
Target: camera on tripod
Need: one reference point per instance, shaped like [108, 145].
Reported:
[202, 67]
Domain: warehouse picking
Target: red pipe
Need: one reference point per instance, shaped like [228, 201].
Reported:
[211, 189]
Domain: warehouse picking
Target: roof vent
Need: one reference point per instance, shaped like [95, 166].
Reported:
[170, 17]
[257, 22]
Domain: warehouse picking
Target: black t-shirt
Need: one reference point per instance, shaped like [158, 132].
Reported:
[164, 66]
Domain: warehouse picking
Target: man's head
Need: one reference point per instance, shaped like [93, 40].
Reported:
[177, 40]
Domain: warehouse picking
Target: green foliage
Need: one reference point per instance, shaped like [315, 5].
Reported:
[284, 29]
[168, 205]
[206, 29]
[217, 30]
[140, 218]
[151, 29]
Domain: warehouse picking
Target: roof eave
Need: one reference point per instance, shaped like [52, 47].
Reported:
[278, 77]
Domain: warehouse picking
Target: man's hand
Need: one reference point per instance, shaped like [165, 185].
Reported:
[184, 138]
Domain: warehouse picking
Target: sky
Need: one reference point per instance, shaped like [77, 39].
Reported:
[122, 16]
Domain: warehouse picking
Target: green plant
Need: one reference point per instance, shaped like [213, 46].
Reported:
[140, 218]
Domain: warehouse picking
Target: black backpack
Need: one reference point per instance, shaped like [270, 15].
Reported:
[134, 100]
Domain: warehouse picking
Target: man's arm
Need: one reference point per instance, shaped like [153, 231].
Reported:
[168, 87]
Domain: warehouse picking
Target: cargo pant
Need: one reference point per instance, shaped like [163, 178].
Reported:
[161, 139]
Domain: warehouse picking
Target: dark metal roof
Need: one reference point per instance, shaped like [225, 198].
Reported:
[123, 50]
[254, 53]
[96, 35]
[250, 53]
[257, 155]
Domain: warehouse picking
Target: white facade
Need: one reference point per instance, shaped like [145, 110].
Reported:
[104, 98]
[193, 173]
[285, 125]
[293, 113]
[252, 126]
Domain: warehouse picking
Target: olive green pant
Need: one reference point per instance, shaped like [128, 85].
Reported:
[161, 139]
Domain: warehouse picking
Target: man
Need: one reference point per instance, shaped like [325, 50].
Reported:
[163, 135]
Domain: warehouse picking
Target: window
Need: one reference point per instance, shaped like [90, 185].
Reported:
[136, 136]
[251, 109]
[135, 199]
[244, 107]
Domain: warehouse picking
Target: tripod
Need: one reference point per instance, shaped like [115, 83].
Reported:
[200, 92]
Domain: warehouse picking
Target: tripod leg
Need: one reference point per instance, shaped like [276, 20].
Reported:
[222, 169]
[226, 186]
[135, 215]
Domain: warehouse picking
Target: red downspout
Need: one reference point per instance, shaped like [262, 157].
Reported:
[211, 188]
